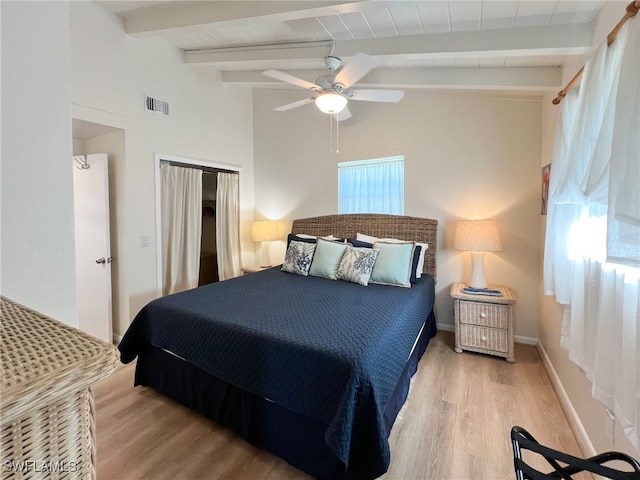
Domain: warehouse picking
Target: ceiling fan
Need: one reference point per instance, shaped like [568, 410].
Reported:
[332, 92]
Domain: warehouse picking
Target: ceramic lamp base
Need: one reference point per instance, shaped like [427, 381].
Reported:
[478, 279]
[265, 258]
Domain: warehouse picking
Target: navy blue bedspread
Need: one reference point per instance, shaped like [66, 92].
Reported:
[328, 349]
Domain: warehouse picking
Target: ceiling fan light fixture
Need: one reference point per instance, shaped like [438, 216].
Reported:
[331, 102]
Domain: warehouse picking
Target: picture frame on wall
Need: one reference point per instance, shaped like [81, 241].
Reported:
[546, 174]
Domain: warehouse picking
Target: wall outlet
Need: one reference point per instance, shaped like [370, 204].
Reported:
[144, 241]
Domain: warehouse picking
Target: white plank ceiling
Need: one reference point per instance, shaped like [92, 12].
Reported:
[496, 44]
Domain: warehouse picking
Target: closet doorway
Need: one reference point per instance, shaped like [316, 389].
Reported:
[208, 247]
[205, 259]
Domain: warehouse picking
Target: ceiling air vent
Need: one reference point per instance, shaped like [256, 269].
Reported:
[155, 105]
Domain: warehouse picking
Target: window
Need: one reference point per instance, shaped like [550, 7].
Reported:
[371, 186]
[592, 247]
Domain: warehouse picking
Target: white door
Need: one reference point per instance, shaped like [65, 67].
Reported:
[93, 252]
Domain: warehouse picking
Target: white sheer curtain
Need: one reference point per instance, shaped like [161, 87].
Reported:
[228, 225]
[592, 192]
[371, 186]
[181, 217]
[623, 233]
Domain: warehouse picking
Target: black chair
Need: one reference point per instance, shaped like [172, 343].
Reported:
[523, 440]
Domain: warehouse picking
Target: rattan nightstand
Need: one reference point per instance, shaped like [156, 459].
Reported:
[484, 323]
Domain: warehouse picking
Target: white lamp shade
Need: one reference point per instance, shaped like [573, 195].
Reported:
[331, 102]
[265, 231]
[477, 236]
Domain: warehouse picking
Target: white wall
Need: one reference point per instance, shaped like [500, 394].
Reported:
[111, 73]
[595, 429]
[38, 246]
[64, 59]
[467, 155]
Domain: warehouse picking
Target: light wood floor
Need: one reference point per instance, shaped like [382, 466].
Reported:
[454, 425]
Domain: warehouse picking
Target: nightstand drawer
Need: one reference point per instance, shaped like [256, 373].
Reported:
[484, 314]
[484, 338]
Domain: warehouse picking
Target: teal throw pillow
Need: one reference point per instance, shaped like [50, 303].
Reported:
[393, 265]
[327, 258]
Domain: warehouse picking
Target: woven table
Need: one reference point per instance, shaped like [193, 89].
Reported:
[46, 404]
[484, 323]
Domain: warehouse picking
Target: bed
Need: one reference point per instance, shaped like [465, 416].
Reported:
[311, 369]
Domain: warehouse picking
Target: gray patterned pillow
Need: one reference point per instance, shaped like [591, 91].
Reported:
[357, 264]
[298, 257]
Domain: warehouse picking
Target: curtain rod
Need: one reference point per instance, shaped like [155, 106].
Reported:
[204, 168]
[631, 11]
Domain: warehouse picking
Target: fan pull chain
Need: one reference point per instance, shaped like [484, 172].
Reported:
[331, 119]
[337, 134]
[331, 133]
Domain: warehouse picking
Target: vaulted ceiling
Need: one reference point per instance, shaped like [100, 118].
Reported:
[497, 44]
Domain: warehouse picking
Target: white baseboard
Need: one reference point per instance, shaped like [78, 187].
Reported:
[447, 327]
[525, 340]
[574, 421]
[117, 338]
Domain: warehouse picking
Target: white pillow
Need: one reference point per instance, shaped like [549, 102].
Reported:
[370, 239]
[304, 235]
[366, 238]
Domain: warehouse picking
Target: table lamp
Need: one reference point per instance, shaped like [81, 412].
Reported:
[477, 237]
[265, 231]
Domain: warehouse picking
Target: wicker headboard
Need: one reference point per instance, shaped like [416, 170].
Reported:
[377, 225]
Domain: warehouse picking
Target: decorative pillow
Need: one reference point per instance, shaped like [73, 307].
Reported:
[423, 250]
[298, 257]
[300, 238]
[415, 261]
[417, 254]
[303, 237]
[359, 243]
[393, 265]
[327, 258]
[357, 264]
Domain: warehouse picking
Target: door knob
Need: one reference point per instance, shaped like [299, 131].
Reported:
[101, 260]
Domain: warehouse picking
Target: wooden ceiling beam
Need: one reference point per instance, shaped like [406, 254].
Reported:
[171, 19]
[528, 41]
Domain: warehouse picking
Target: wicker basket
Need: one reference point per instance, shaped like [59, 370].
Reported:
[47, 412]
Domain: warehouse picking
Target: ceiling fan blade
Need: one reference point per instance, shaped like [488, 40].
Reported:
[345, 114]
[285, 77]
[292, 105]
[355, 69]
[389, 96]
